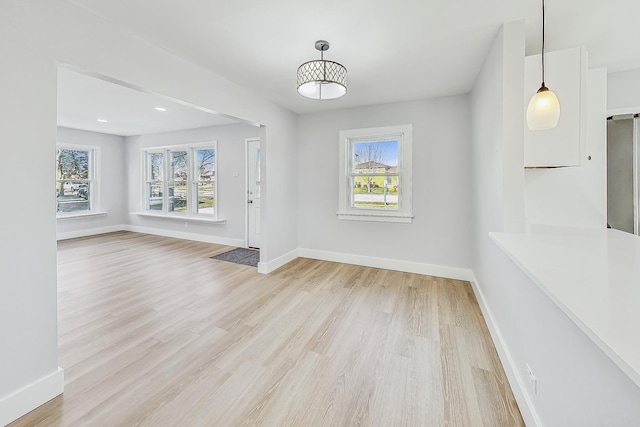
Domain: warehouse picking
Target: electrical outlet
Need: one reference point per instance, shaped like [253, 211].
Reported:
[532, 380]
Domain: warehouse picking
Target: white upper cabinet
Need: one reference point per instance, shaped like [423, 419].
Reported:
[566, 75]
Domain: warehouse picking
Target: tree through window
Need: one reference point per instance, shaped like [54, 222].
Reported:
[75, 180]
[189, 185]
[375, 174]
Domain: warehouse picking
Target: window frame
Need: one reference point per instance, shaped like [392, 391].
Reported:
[93, 180]
[148, 181]
[190, 183]
[196, 181]
[347, 140]
[172, 182]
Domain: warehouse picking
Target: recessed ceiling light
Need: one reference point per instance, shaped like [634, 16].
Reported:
[103, 121]
[160, 109]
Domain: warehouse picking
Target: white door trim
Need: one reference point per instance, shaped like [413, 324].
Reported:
[246, 188]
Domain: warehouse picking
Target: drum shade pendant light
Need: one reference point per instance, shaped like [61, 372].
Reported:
[543, 111]
[322, 79]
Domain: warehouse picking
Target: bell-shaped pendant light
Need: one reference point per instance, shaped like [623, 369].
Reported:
[543, 111]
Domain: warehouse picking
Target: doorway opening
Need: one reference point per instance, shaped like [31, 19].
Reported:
[623, 176]
[132, 159]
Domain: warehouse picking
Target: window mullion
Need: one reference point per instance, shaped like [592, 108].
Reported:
[191, 164]
[165, 181]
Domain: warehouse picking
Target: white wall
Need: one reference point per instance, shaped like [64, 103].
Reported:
[28, 327]
[498, 143]
[488, 179]
[498, 150]
[231, 189]
[440, 230]
[577, 383]
[624, 91]
[35, 36]
[111, 179]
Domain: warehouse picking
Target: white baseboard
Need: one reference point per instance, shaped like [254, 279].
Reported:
[30, 397]
[155, 231]
[90, 232]
[186, 236]
[517, 383]
[389, 264]
[268, 267]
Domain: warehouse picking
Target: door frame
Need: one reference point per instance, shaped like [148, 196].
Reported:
[246, 187]
[636, 162]
[636, 175]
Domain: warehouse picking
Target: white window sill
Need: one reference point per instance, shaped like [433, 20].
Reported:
[373, 217]
[80, 215]
[180, 217]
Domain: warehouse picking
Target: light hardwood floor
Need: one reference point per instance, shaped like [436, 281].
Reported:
[154, 333]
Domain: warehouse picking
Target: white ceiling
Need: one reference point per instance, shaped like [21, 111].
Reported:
[82, 100]
[394, 50]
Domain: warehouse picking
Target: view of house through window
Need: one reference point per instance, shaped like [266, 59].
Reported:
[188, 187]
[75, 180]
[375, 175]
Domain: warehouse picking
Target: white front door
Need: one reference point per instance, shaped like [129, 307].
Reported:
[253, 192]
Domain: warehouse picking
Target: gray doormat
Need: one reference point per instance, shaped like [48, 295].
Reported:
[242, 256]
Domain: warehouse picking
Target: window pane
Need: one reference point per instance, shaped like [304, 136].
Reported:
[375, 192]
[205, 198]
[257, 189]
[155, 197]
[72, 164]
[177, 197]
[72, 196]
[375, 157]
[178, 170]
[205, 164]
[156, 166]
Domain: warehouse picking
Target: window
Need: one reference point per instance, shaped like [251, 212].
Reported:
[178, 177]
[189, 185]
[76, 186]
[155, 181]
[204, 175]
[375, 174]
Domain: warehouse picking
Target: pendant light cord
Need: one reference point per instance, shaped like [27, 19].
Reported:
[543, 42]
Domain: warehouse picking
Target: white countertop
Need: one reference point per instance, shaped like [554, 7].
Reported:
[594, 277]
